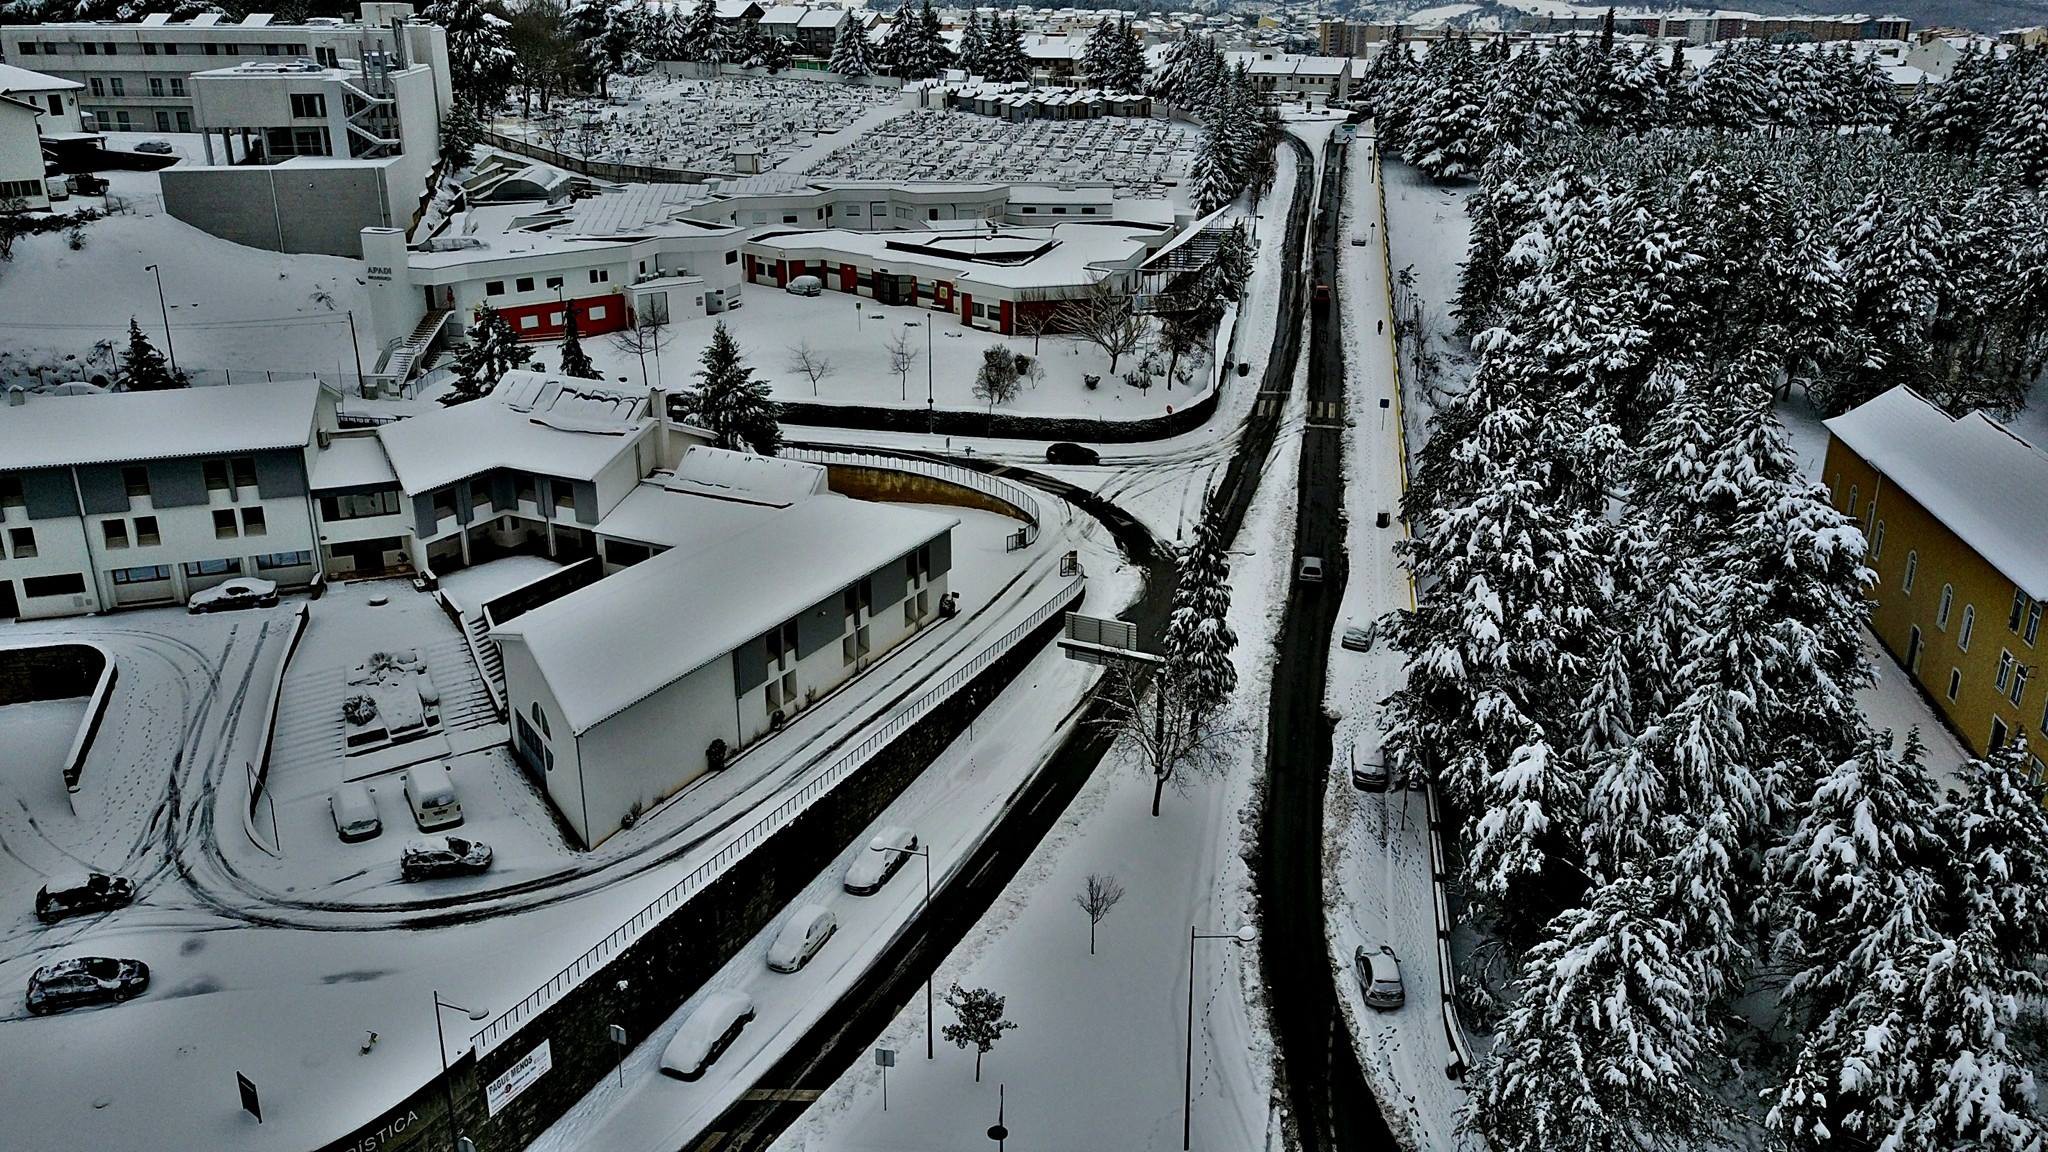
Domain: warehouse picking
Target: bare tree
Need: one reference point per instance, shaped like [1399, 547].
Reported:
[646, 335]
[1104, 317]
[810, 363]
[1171, 734]
[902, 357]
[981, 1022]
[996, 381]
[1096, 899]
[1030, 322]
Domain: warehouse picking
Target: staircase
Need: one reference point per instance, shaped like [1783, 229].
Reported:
[489, 660]
[413, 353]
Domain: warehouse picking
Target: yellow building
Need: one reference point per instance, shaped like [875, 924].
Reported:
[1956, 513]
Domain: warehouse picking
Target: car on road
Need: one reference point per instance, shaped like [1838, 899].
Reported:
[1358, 639]
[84, 980]
[1311, 570]
[156, 147]
[1322, 294]
[805, 286]
[710, 1030]
[241, 592]
[1370, 776]
[1379, 976]
[355, 814]
[82, 893]
[1068, 453]
[887, 852]
[433, 857]
[802, 935]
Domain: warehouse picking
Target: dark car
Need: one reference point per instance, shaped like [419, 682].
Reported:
[231, 595]
[79, 895]
[1066, 453]
[85, 980]
[436, 856]
[156, 147]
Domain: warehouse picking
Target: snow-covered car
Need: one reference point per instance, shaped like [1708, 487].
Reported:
[1068, 453]
[241, 592]
[84, 980]
[355, 814]
[802, 935]
[885, 854]
[709, 1031]
[156, 147]
[1379, 976]
[1358, 639]
[805, 286]
[80, 894]
[432, 857]
[1311, 570]
[1370, 775]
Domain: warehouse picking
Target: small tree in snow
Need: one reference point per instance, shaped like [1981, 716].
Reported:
[810, 363]
[1096, 898]
[980, 1022]
[731, 402]
[493, 350]
[646, 335]
[575, 361]
[903, 356]
[1104, 317]
[996, 381]
[143, 368]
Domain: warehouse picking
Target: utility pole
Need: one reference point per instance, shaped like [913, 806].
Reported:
[165, 309]
[354, 347]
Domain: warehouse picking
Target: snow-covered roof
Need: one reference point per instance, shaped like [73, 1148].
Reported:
[352, 462]
[606, 647]
[14, 79]
[52, 431]
[652, 513]
[1983, 483]
[745, 477]
[791, 14]
[822, 18]
[1067, 255]
[532, 422]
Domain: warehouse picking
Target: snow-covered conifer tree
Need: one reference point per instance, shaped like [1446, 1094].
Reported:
[1199, 641]
[731, 402]
[493, 350]
[852, 55]
[575, 361]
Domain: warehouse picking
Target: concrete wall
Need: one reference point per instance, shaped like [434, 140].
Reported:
[655, 748]
[283, 207]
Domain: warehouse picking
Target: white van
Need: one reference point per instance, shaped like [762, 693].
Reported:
[355, 814]
[432, 796]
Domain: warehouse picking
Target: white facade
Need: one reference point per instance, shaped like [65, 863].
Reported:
[21, 154]
[55, 97]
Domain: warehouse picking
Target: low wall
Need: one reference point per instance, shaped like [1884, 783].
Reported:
[1006, 425]
[261, 771]
[889, 486]
[281, 208]
[61, 672]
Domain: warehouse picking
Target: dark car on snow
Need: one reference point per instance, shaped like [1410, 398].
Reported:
[81, 895]
[1069, 453]
[85, 980]
[432, 857]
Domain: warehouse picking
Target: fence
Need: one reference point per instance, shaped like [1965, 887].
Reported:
[1012, 494]
[508, 1023]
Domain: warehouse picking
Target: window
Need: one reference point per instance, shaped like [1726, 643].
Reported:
[22, 541]
[91, 49]
[1877, 540]
[117, 86]
[1912, 569]
[494, 287]
[136, 480]
[789, 217]
[148, 573]
[600, 275]
[163, 120]
[1955, 683]
[782, 643]
[2004, 670]
[214, 568]
[10, 490]
[1998, 733]
[184, 117]
[69, 584]
[115, 532]
[156, 85]
[178, 88]
[541, 718]
[931, 213]
[122, 121]
[1969, 625]
[565, 495]
[224, 524]
[523, 284]
[145, 532]
[444, 504]
[528, 323]
[211, 49]
[1948, 599]
[28, 47]
[216, 475]
[357, 505]
[97, 85]
[2019, 686]
[148, 49]
[244, 468]
[597, 312]
[309, 106]
[732, 257]
[2032, 629]
[271, 561]
[170, 49]
[110, 49]
[1852, 501]
[252, 522]
[553, 282]
[2019, 611]
[527, 489]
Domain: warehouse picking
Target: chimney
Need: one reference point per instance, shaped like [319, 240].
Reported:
[657, 406]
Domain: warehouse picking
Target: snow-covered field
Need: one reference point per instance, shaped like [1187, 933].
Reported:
[682, 123]
[1427, 235]
[1144, 158]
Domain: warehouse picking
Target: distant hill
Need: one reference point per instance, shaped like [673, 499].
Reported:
[1977, 15]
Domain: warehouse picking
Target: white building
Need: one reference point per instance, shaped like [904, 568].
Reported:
[129, 498]
[55, 97]
[21, 154]
[761, 604]
[137, 76]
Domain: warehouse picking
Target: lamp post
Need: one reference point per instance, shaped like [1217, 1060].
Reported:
[931, 413]
[441, 1045]
[1242, 936]
[927, 854]
[166, 310]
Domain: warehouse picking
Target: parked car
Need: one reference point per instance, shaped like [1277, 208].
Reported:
[86, 184]
[84, 980]
[57, 188]
[432, 797]
[1068, 453]
[1358, 639]
[79, 894]
[241, 592]
[433, 857]
[709, 1031]
[1322, 294]
[156, 147]
[805, 286]
[355, 814]
[1311, 570]
[886, 853]
[802, 935]
[1379, 976]
[1370, 776]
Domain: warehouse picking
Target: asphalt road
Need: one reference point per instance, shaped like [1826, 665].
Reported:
[1327, 1095]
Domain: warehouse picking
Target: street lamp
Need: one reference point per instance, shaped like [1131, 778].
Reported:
[441, 1045]
[166, 310]
[1243, 935]
[927, 854]
[931, 421]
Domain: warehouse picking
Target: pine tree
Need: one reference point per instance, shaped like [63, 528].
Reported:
[479, 54]
[899, 47]
[852, 55]
[1998, 828]
[493, 350]
[1004, 61]
[973, 45]
[730, 402]
[1128, 59]
[1098, 57]
[575, 361]
[1443, 136]
[1199, 641]
[143, 368]
[699, 36]
[460, 135]
[1214, 180]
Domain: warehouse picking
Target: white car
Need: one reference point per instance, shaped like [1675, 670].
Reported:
[805, 286]
[1379, 977]
[885, 854]
[709, 1031]
[355, 814]
[241, 592]
[1358, 639]
[802, 935]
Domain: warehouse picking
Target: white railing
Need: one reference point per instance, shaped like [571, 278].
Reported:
[1015, 495]
[583, 967]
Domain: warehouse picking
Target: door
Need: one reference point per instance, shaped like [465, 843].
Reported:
[1998, 734]
[9, 607]
[1913, 652]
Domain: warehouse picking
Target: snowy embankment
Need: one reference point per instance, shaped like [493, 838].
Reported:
[1428, 235]
[1378, 886]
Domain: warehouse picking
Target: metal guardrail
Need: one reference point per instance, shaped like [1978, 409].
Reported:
[508, 1023]
[1014, 495]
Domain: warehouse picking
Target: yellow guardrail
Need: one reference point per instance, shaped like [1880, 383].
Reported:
[1379, 182]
